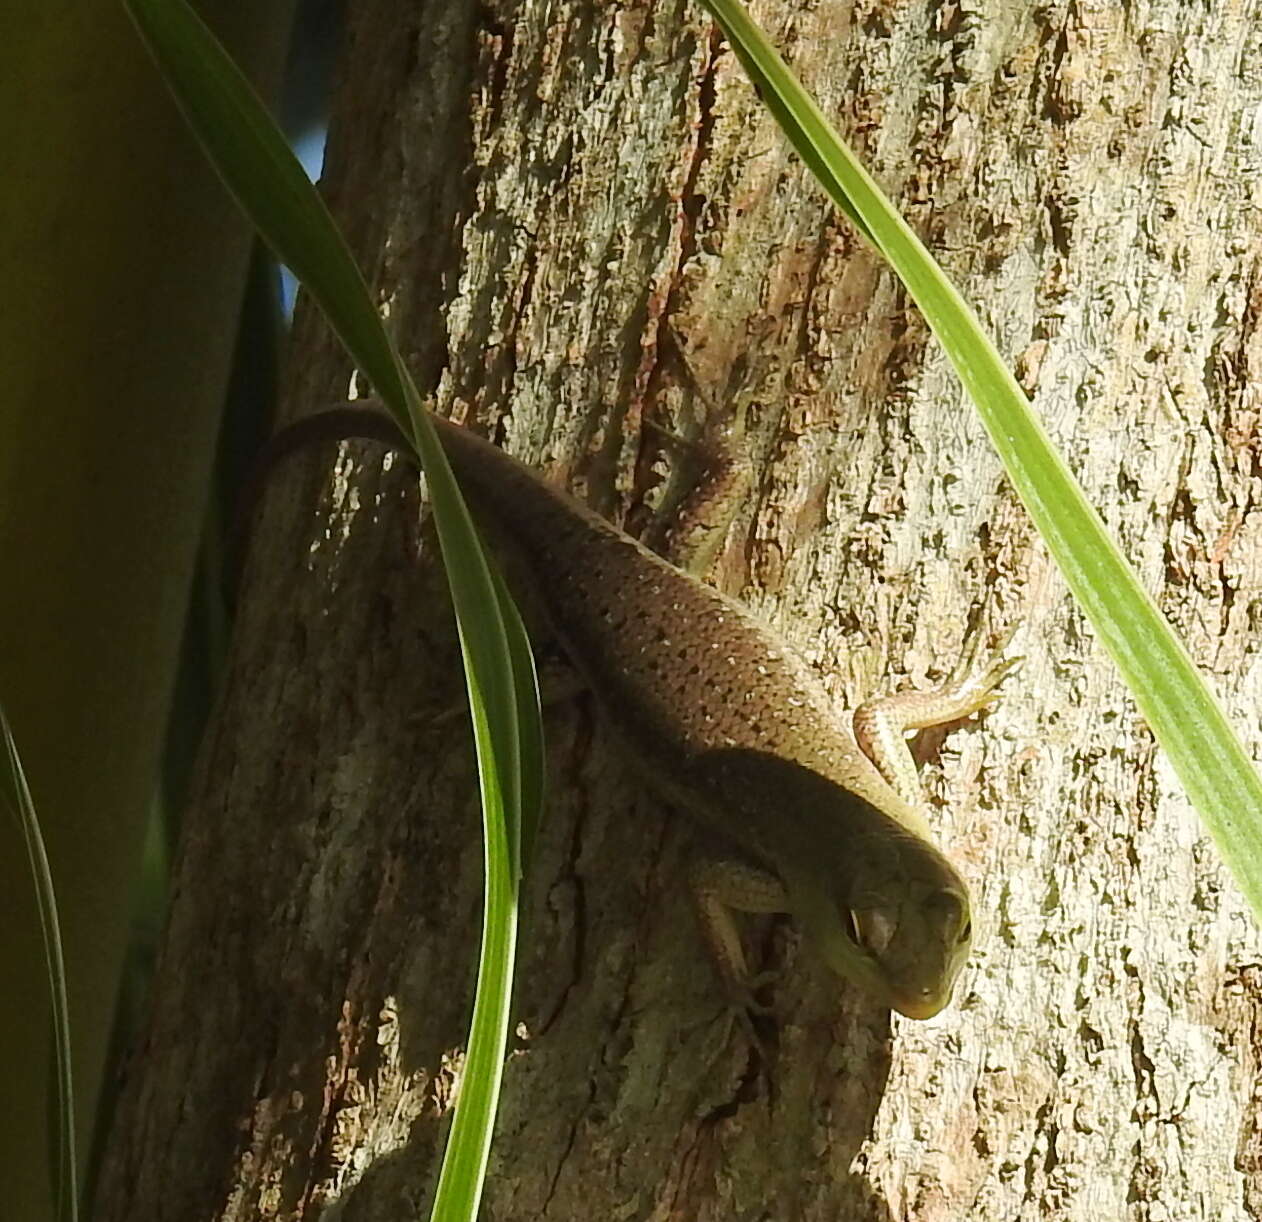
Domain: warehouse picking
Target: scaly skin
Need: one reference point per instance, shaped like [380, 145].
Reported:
[729, 725]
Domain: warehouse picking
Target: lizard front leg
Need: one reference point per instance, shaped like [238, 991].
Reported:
[881, 725]
[718, 886]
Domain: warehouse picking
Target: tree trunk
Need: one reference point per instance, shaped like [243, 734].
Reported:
[554, 204]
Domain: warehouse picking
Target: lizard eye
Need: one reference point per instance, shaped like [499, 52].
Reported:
[870, 929]
[946, 909]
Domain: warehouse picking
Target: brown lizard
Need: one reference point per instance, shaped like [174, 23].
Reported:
[728, 724]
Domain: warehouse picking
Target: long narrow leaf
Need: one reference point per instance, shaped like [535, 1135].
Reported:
[464, 1161]
[252, 158]
[529, 720]
[1187, 720]
[15, 796]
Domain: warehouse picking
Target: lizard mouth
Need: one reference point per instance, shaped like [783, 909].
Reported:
[919, 1005]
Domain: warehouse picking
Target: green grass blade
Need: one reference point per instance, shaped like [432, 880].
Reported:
[1184, 716]
[508, 849]
[252, 158]
[529, 720]
[15, 796]
[463, 1171]
[249, 153]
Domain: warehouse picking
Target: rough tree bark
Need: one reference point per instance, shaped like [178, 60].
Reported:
[549, 200]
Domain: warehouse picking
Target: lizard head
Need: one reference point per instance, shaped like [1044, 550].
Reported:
[876, 899]
[902, 934]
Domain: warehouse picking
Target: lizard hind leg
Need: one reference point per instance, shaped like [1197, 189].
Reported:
[707, 510]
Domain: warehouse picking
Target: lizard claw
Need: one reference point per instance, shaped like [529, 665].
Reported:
[748, 990]
[755, 1028]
